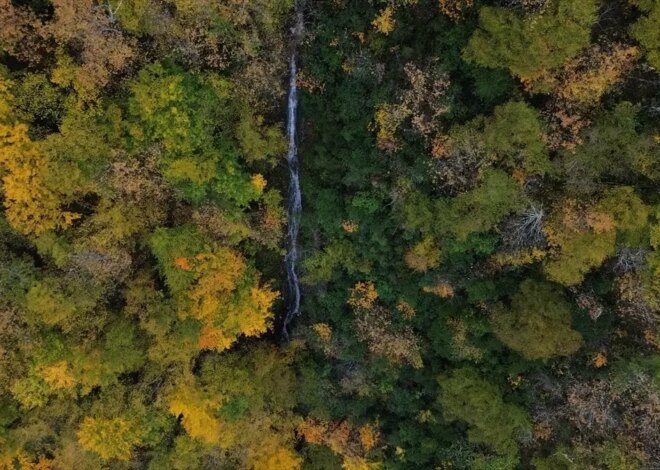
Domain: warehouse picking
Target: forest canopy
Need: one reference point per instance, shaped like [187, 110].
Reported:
[478, 255]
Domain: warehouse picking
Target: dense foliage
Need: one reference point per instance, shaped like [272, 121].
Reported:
[480, 235]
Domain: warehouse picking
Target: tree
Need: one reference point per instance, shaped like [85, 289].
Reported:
[103, 50]
[384, 22]
[628, 211]
[424, 102]
[197, 414]
[213, 285]
[37, 100]
[460, 157]
[423, 256]
[338, 254]
[33, 202]
[455, 9]
[242, 403]
[482, 208]
[651, 273]
[227, 298]
[532, 45]
[344, 439]
[585, 79]
[52, 302]
[538, 322]
[645, 30]
[110, 438]
[120, 352]
[21, 33]
[465, 396]
[515, 135]
[610, 148]
[189, 117]
[582, 237]
[374, 325]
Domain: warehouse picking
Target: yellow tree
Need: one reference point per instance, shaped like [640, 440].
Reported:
[198, 414]
[112, 438]
[213, 285]
[243, 404]
[32, 205]
[227, 298]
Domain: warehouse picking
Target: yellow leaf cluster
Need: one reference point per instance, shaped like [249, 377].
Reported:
[197, 414]
[58, 376]
[384, 22]
[368, 436]
[217, 276]
[423, 256]
[363, 295]
[586, 79]
[212, 337]
[341, 437]
[31, 206]
[110, 438]
[9, 460]
[387, 119]
[254, 315]
[220, 298]
[580, 239]
[279, 459]
[573, 219]
[312, 431]
[405, 309]
[441, 289]
[258, 182]
[323, 330]
[599, 221]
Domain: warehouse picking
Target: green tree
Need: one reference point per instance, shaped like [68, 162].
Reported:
[611, 148]
[190, 116]
[515, 135]
[581, 239]
[531, 45]
[537, 324]
[482, 208]
[465, 396]
[647, 29]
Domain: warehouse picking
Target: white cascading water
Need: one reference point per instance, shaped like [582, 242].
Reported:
[295, 202]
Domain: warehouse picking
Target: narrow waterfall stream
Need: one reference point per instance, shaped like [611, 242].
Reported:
[294, 196]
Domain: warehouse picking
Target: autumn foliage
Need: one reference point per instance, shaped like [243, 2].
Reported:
[478, 253]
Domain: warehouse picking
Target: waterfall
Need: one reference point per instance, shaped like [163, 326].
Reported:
[294, 198]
